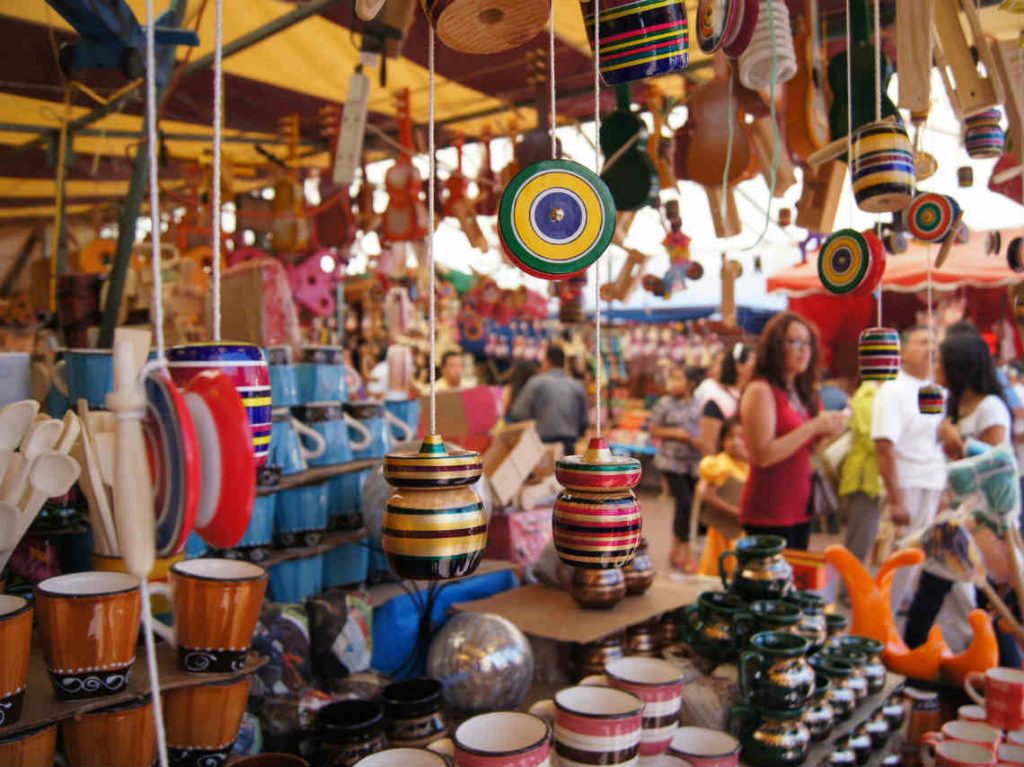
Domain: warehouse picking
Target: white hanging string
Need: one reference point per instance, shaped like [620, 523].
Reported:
[430, 233]
[598, 362]
[218, 118]
[849, 109]
[553, 121]
[776, 138]
[878, 62]
[158, 320]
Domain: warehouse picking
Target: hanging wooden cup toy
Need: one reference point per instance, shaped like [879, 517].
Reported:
[882, 167]
[983, 136]
[434, 525]
[556, 218]
[638, 39]
[486, 26]
[878, 353]
[931, 400]
[597, 520]
[851, 262]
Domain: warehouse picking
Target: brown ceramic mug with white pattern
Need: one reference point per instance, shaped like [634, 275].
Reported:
[15, 639]
[202, 721]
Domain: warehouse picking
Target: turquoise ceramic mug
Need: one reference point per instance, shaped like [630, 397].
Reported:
[85, 374]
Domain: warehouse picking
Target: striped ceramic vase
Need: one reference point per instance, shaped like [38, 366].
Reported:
[879, 354]
[434, 524]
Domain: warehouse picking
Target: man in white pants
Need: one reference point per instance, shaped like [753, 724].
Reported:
[910, 458]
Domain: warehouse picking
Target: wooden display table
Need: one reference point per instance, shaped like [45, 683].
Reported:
[318, 474]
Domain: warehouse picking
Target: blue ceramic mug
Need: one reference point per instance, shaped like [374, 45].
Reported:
[404, 417]
[289, 439]
[300, 516]
[15, 377]
[372, 417]
[85, 374]
[347, 565]
[321, 374]
[259, 535]
[345, 501]
[333, 424]
[297, 580]
[284, 378]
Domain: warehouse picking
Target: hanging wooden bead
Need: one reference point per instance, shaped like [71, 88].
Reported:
[596, 520]
[434, 525]
[931, 400]
[983, 136]
[878, 353]
[965, 176]
[639, 38]
[486, 26]
[882, 167]
[895, 242]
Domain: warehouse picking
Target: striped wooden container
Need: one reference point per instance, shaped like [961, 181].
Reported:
[882, 168]
[930, 400]
[879, 354]
[983, 136]
[597, 470]
[434, 525]
[596, 530]
[639, 38]
[486, 26]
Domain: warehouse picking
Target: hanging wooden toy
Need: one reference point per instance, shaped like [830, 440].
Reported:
[405, 218]
[935, 217]
[851, 262]
[1015, 254]
[882, 167]
[638, 39]
[434, 524]
[770, 51]
[984, 138]
[486, 26]
[597, 518]
[878, 353]
[931, 400]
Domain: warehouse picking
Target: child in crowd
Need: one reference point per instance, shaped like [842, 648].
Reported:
[722, 477]
[675, 420]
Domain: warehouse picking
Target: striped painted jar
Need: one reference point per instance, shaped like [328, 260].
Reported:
[930, 400]
[882, 168]
[878, 353]
[594, 725]
[639, 38]
[247, 368]
[597, 470]
[434, 525]
[596, 530]
[983, 136]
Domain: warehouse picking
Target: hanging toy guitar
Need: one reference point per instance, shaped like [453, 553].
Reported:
[406, 217]
[334, 223]
[486, 202]
[290, 227]
[629, 172]
[458, 205]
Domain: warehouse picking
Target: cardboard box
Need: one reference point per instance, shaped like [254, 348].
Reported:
[519, 538]
[546, 465]
[511, 457]
[464, 412]
[810, 571]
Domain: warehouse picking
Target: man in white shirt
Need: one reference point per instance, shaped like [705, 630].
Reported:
[910, 458]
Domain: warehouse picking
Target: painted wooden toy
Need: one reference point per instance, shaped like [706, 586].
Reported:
[879, 354]
[486, 26]
[851, 262]
[434, 525]
[930, 400]
[247, 368]
[556, 218]
[1015, 254]
[597, 470]
[983, 136]
[716, 23]
[639, 38]
[965, 176]
[931, 216]
[882, 168]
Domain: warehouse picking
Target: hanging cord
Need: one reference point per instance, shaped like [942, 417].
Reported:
[723, 202]
[849, 108]
[218, 118]
[776, 149]
[430, 234]
[598, 362]
[158, 320]
[551, 82]
[878, 118]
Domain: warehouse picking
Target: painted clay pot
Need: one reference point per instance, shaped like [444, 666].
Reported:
[641, 639]
[202, 721]
[836, 625]
[590, 658]
[640, 572]
[874, 669]
[776, 615]
[859, 659]
[761, 570]
[348, 730]
[638, 39]
[842, 697]
[414, 709]
[774, 673]
[882, 168]
[714, 625]
[598, 589]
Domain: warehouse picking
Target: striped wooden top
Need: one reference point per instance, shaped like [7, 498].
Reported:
[432, 466]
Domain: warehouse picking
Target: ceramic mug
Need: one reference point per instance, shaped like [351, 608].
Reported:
[288, 443]
[703, 747]
[85, 374]
[15, 639]
[271, 760]
[16, 377]
[499, 739]
[345, 501]
[404, 417]
[202, 721]
[297, 580]
[216, 604]
[761, 570]
[659, 685]
[117, 736]
[347, 731]
[1015, 737]
[320, 372]
[259, 535]
[774, 738]
[301, 516]
[414, 709]
[1004, 696]
[975, 733]
[88, 627]
[341, 432]
[30, 748]
[404, 757]
[971, 713]
[715, 625]
[594, 725]
[284, 380]
[1009, 755]
[774, 673]
[374, 421]
[776, 615]
[952, 753]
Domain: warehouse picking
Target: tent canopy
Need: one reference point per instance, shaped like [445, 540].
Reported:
[967, 265]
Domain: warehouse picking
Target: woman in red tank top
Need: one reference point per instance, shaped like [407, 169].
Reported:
[781, 420]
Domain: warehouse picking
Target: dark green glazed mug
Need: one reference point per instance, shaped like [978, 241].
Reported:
[774, 673]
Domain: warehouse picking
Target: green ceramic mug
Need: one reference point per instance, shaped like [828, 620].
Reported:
[775, 615]
[771, 738]
[716, 625]
[761, 570]
[774, 674]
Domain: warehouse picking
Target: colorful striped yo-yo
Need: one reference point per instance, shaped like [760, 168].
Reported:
[931, 400]
[597, 520]
[983, 136]
[878, 353]
[434, 525]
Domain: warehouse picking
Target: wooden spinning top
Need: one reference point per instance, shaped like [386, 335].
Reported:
[434, 525]
[930, 400]
[597, 470]
[879, 354]
[597, 530]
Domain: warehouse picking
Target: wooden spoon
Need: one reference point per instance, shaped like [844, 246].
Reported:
[42, 437]
[15, 421]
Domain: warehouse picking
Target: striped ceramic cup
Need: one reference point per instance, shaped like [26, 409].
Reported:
[594, 725]
[659, 685]
[498, 739]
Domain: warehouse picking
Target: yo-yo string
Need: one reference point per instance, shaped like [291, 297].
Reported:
[849, 109]
[878, 62]
[430, 232]
[598, 363]
[158, 319]
[553, 121]
[776, 150]
[218, 118]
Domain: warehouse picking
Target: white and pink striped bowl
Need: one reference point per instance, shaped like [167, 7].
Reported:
[594, 725]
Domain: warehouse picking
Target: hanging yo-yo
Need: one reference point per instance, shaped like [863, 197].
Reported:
[882, 167]
[434, 525]
[878, 353]
[931, 400]
[597, 520]
[851, 262]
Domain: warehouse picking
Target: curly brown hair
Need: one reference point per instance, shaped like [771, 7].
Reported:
[771, 358]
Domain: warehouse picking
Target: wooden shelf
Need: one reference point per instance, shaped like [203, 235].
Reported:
[330, 541]
[319, 474]
[42, 706]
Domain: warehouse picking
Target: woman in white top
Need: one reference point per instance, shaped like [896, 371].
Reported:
[721, 399]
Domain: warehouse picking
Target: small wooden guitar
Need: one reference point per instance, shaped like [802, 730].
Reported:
[806, 115]
[486, 202]
[629, 172]
[406, 217]
[290, 228]
[457, 203]
[658, 149]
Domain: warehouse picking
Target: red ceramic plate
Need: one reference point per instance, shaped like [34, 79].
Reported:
[228, 466]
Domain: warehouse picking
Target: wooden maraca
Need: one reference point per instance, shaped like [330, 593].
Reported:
[434, 525]
[596, 520]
